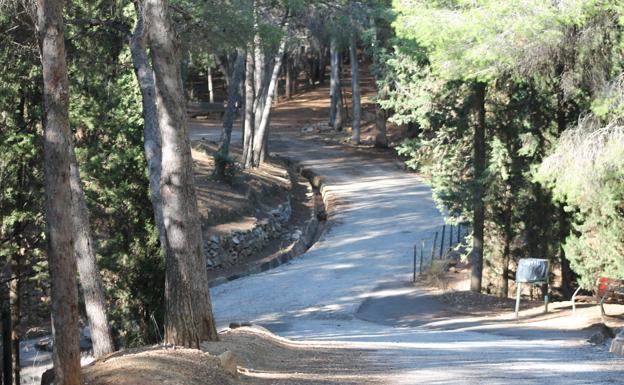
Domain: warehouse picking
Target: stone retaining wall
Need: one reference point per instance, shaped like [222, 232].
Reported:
[225, 249]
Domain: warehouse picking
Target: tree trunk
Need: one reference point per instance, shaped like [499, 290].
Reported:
[248, 129]
[504, 291]
[90, 280]
[322, 64]
[7, 331]
[288, 77]
[478, 205]
[57, 137]
[151, 130]
[335, 93]
[355, 92]
[15, 291]
[260, 136]
[224, 66]
[228, 118]
[567, 275]
[188, 311]
[259, 85]
[381, 139]
[210, 90]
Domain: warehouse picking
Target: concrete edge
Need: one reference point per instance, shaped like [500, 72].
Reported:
[310, 234]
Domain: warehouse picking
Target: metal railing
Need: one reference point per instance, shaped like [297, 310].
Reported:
[429, 249]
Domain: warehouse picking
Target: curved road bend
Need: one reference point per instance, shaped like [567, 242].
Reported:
[381, 212]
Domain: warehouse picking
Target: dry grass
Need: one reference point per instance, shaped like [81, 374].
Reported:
[157, 366]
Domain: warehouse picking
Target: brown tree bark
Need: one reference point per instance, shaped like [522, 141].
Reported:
[89, 276]
[567, 275]
[335, 92]
[15, 292]
[57, 137]
[478, 205]
[355, 91]
[248, 129]
[151, 131]
[7, 329]
[188, 311]
[260, 136]
[228, 117]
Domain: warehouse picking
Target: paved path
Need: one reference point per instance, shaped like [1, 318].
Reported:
[382, 211]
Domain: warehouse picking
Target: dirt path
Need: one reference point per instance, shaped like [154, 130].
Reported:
[380, 212]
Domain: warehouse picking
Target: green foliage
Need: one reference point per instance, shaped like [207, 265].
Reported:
[543, 63]
[105, 112]
[21, 176]
[586, 172]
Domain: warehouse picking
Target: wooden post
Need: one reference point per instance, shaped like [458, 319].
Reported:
[546, 297]
[442, 240]
[210, 90]
[422, 248]
[414, 267]
[435, 240]
[450, 236]
[458, 232]
[518, 284]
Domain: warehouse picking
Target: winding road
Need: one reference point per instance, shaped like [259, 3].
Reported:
[380, 211]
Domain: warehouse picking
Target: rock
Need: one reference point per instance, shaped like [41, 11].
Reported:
[296, 235]
[48, 377]
[45, 344]
[617, 345]
[601, 336]
[229, 363]
[214, 238]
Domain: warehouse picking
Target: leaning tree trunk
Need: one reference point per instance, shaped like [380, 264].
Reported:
[355, 89]
[57, 137]
[228, 118]
[248, 128]
[90, 280]
[151, 130]
[478, 204]
[335, 93]
[188, 312]
[260, 137]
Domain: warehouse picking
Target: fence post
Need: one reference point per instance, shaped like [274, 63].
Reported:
[414, 267]
[458, 232]
[442, 240]
[422, 248]
[435, 240]
[451, 236]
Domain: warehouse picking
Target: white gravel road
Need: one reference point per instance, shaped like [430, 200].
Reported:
[382, 212]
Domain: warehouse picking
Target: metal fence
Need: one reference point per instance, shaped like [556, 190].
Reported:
[437, 246]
